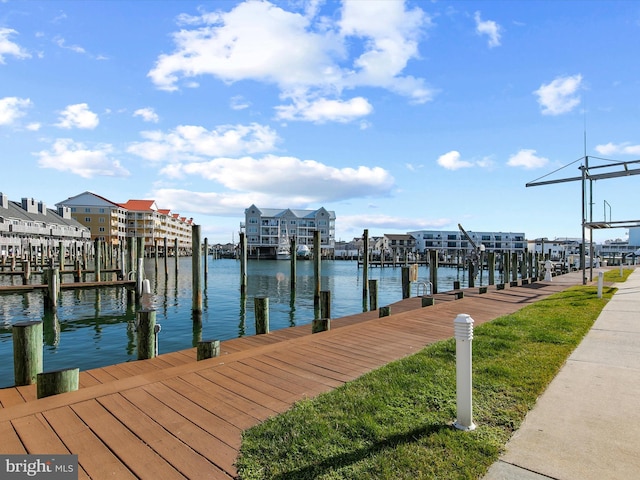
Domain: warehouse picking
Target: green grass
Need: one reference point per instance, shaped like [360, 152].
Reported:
[396, 422]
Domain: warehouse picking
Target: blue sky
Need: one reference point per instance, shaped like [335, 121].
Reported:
[398, 116]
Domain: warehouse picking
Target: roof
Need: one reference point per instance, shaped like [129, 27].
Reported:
[15, 210]
[140, 205]
[399, 236]
[289, 212]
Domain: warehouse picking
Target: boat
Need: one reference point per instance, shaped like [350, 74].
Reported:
[283, 252]
[303, 252]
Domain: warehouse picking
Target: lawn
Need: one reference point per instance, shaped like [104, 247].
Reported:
[396, 422]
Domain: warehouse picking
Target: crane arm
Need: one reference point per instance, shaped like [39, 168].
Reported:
[468, 237]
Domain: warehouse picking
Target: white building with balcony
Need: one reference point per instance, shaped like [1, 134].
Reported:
[265, 228]
[450, 243]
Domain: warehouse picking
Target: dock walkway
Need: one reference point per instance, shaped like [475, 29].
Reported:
[173, 417]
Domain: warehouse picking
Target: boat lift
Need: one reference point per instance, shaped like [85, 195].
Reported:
[475, 253]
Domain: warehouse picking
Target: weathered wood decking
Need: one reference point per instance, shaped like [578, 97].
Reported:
[173, 417]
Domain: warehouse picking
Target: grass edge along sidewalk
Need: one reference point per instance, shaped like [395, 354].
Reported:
[396, 422]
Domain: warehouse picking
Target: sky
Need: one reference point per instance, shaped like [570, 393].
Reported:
[397, 115]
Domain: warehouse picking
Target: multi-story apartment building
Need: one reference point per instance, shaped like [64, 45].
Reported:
[449, 243]
[29, 227]
[266, 227]
[113, 222]
[104, 218]
[146, 220]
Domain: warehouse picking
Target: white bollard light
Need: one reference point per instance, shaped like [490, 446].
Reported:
[463, 328]
[548, 267]
[600, 283]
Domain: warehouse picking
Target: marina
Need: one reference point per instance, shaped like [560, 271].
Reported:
[173, 417]
[94, 327]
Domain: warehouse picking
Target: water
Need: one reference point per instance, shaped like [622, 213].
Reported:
[93, 328]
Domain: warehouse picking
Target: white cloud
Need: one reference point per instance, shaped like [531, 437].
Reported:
[489, 28]
[192, 142]
[67, 155]
[306, 181]
[451, 161]
[7, 47]
[239, 103]
[61, 42]
[12, 108]
[208, 203]
[618, 149]
[78, 116]
[305, 56]
[322, 110]
[527, 159]
[559, 96]
[147, 114]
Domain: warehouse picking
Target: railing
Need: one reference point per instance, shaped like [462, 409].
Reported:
[424, 288]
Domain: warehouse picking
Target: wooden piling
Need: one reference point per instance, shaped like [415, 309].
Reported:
[320, 325]
[196, 269]
[406, 283]
[365, 266]
[52, 292]
[61, 256]
[428, 301]
[373, 295]
[243, 264]
[146, 334]
[491, 260]
[317, 257]
[27, 352]
[261, 309]
[26, 275]
[166, 257]
[205, 257]
[325, 304]
[57, 381]
[96, 260]
[139, 267]
[294, 259]
[176, 254]
[433, 270]
[208, 349]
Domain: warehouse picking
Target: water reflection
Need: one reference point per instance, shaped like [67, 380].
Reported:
[96, 327]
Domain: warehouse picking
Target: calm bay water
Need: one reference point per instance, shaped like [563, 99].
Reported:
[94, 328]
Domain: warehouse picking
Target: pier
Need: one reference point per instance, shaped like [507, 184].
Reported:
[175, 417]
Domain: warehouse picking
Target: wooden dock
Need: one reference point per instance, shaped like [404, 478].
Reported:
[173, 417]
[8, 289]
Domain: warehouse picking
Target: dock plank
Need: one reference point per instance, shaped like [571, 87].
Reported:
[141, 459]
[97, 460]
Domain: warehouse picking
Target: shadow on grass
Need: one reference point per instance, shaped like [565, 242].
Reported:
[338, 462]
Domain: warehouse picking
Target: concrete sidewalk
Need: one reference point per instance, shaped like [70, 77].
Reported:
[585, 425]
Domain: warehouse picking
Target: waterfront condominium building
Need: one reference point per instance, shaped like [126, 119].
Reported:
[449, 243]
[113, 222]
[104, 218]
[266, 227]
[30, 228]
